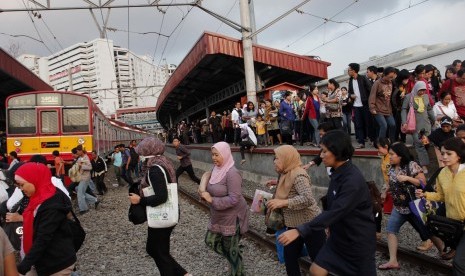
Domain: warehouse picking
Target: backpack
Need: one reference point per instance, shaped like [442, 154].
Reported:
[134, 158]
[74, 173]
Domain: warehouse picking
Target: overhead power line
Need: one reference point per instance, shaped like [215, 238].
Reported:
[22, 35]
[232, 7]
[37, 30]
[96, 7]
[325, 20]
[366, 24]
[111, 29]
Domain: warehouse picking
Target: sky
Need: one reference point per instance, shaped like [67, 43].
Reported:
[305, 32]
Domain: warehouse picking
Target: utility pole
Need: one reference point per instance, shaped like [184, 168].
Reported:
[253, 28]
[247, 52]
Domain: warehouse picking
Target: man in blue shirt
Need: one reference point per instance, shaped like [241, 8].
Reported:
[117, 161]
[125, 169]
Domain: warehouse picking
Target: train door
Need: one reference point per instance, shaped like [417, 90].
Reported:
[96, 134]
[49, 130]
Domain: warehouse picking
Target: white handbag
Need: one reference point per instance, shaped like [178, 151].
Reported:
[167, 214]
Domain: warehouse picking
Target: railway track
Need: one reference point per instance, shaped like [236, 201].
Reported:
[413, 257]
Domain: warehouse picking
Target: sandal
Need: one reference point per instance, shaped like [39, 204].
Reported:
[449, 255]
[388, 266]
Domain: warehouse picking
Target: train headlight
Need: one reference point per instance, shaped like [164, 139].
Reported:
[81, 141]
[17, 143]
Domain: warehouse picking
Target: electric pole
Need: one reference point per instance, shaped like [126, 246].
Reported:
[247, 52]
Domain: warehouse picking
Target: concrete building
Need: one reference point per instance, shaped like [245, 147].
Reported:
[112, 76]
[439, 55]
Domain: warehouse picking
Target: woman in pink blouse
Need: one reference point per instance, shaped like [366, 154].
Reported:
[228, 208]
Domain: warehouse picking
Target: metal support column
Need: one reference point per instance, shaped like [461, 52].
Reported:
[247, 51]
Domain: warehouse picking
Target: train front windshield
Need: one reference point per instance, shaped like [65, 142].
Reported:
[42, 114]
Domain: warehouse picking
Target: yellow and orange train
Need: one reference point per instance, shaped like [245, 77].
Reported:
[41, 122]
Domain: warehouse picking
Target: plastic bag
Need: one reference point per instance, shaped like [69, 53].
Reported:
[259, 201]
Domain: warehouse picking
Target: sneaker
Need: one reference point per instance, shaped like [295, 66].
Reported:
[83, 212]
[449, 255]
[360, 146]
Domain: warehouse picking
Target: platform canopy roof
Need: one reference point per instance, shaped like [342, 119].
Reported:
[216, 62]
[15, 77]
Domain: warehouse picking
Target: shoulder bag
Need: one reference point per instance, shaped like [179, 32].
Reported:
[167, 214]
[14, 232]
[79, 234]
[447, 229]
[411, 123]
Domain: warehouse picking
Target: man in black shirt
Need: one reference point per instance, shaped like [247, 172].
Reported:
[214, 123]
[99, 168]
[183, 155]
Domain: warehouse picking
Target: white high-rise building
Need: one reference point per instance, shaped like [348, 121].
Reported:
[112, 76]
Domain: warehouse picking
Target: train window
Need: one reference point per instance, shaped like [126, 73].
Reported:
[75, 120]
[21, 121]
[49, 122]
[25, 100]
[74, 100]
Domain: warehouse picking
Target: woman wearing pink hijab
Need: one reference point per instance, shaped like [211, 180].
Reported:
[228, 208]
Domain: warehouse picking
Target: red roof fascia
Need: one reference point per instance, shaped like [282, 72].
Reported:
[212, 43]
[17, 71]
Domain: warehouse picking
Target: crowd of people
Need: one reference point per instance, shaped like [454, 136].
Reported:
[385, 106]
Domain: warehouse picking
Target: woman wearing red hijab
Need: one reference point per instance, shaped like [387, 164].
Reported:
[47, 238]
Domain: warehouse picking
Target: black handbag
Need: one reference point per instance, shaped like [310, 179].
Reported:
[447, 229]
[79, 234]
[14, 231]
[285, 127]
[137, 214]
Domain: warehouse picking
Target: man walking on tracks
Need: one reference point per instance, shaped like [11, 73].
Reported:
[85, 167]
[125, 168]
[186, 165]
[99, 168]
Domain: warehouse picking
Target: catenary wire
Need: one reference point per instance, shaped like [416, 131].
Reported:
[175, 28]
[319, 26]
[366, 24]
[35, 27]
[221, 23]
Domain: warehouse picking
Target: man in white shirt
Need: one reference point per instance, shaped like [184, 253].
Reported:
[236, 118]
[359, 91]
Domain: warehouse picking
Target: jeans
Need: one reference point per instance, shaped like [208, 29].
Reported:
[347, 119]
[397, 220]
[118, 174]
[83, 197]
[245, 144]
[99, 180]
[316, 132]
[459, 260]
[126, 175]
[190, 172]
[384, 122]
[237, 135]
[364, 126]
